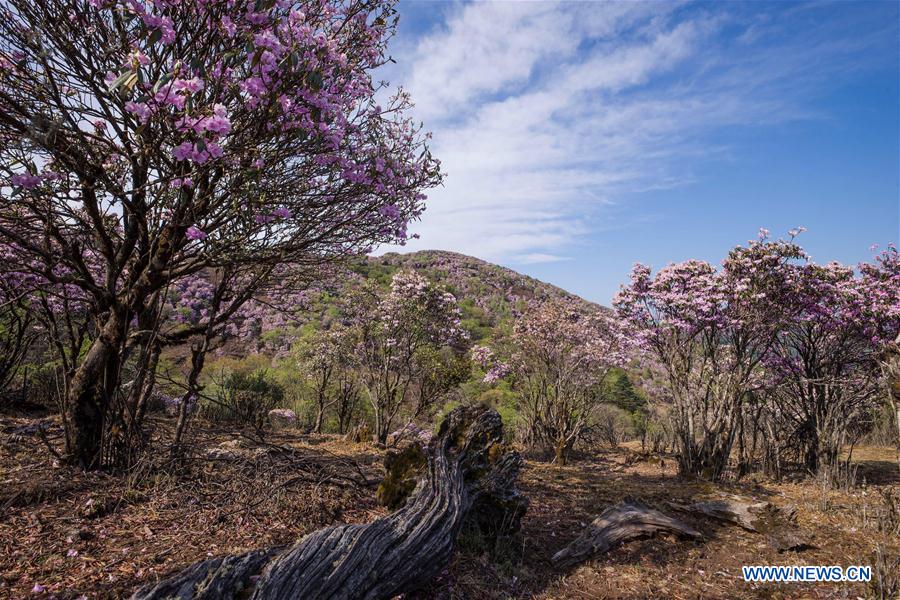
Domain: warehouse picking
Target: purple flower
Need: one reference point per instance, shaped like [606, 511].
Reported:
[214, 150]
[228, 26]
[140, 109]
[390, 211]
[195, 234]
[183, 151]
[27, 181]
[188, 85]
[179, 182]
[217, 124]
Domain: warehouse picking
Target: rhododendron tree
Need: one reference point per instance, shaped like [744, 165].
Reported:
[494, 368]
[561, 357]
[168, 138]
[825, 359]
[399, 339]
[324, 357]
[262, 323]
[710, 329]
[773, 337]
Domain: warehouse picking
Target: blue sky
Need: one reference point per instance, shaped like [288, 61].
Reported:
[581, 137]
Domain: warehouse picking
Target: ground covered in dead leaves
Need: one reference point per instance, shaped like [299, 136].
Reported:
[66, 534]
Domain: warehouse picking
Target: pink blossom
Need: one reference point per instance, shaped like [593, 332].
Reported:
[137, 56]
[193, 233]
[183, 151]
[217, 124]
[140, 109]
[214, 150]
[179, 182]
[257, 18]
[166, 95]
[188, 85]
[228, 26]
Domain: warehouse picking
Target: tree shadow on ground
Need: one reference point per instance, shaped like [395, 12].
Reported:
[877, 472]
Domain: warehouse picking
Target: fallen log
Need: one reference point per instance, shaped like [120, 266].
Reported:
[746, 514]
[619, 524]
[402, 552]
[776, 524]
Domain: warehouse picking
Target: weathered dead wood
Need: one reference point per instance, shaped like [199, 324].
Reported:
[392, 555]
[222, 577]
[619, 524]
[744, 513]
[778, 525]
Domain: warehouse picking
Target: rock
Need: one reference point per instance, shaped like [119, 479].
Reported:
[282, 418]
[409, 434]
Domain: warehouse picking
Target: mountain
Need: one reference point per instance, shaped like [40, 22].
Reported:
[489, 297]
[488, 294]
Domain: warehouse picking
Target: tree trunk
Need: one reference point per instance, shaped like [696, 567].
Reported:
[379, 435]
[320, 416]
[890, 364]
[393, 555]
[147, 388]
[89, 395]
[561, 451]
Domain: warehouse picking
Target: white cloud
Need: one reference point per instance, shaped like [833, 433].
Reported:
[544, 113]
[537, 258]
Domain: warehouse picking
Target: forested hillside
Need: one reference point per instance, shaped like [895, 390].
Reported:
[277, 336]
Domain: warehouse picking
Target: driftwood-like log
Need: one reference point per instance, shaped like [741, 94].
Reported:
[618, 524]
[746, 514]
[776, 524]
[398, 553]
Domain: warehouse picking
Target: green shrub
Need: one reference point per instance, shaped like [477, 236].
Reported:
[245, 399]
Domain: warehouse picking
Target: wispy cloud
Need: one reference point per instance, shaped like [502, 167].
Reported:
[546, 113]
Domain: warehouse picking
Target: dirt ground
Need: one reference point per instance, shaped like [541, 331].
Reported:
[66, 534]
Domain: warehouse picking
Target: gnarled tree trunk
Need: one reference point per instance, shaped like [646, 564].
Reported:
[392, 555]
[89, 394]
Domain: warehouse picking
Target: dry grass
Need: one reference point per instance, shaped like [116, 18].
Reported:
[100, 535]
